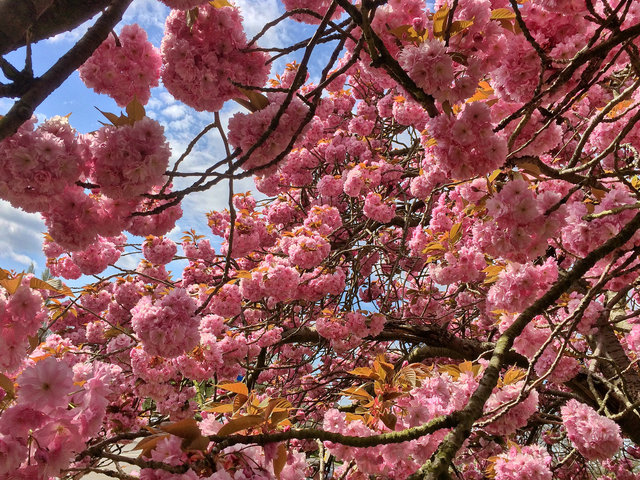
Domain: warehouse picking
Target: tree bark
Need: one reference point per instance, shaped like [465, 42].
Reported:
[42, 19]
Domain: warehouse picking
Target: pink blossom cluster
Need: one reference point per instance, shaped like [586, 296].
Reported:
[466, 145]
[531, 462]
[21, 314]
[463, 265]
[39, 163]
[429, 65]
[39, 434]
[274, 278]
[519, 285]
[519, 227]
[246, 129]
[159, 250]
[306, 249]
[596, 437]
[516, 416]
[96, 257]
[203, 62]
[166, 326]
[377, 210]
[129, 160]
[124, 68]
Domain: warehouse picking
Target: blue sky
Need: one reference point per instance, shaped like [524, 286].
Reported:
[22, 232]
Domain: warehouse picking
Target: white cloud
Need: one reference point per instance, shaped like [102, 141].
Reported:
[20, 243]
[258, 12]
[175, 111]
[150, 15]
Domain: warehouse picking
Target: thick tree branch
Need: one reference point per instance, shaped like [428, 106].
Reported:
[43, 86]
[438, 467]
[42, 18]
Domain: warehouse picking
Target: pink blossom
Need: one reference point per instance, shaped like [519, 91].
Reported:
[46, 384]
[201, 63]
[125, 68]
[167, 326]
[531, 462]
[596, 437]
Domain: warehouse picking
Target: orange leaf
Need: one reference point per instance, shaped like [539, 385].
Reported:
[241, 423]
[147, 444]
[357, 392]
[220, 3]
[11, 284]
[220, 408]
[365, 372]
[135, 110]
[7, 385]
[239, 388]
[187, 428]
[280, 460]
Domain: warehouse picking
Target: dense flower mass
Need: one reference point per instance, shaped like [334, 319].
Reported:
[432, 274]
[167, 326]
[203, 63]
[127, 161]
[39, 163]
[245, 131]
[124, 67]
[596, 437]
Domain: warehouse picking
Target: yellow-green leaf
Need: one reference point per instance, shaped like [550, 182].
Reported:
[440, 20]
[502, 14]
[135, 110]
[192, 17]
[494, 175]
[220, 3]
[513, 375]
[460, 26]
[455, 233]
[257, 101]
